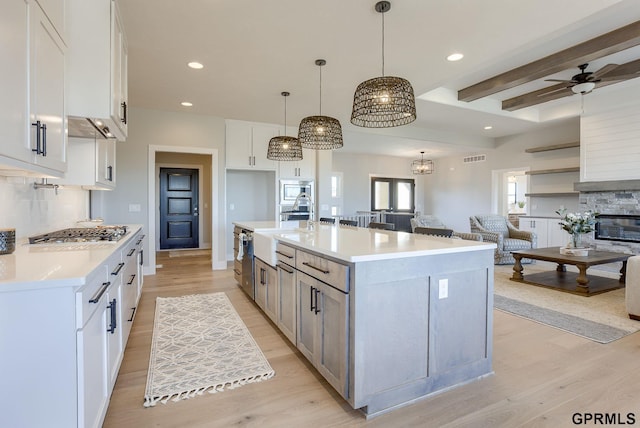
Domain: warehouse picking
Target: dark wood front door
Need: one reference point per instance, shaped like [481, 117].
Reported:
[178, 208]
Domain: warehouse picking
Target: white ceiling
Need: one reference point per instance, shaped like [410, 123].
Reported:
[253, 50]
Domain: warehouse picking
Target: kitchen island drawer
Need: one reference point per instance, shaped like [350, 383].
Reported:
[89, 294]
[285, 254]
[327, 271]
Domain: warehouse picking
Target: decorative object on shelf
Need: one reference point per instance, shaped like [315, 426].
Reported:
[577, 224]
[386, 101]
[422, 166]
[282, 147]
[320, 132]
[521, 204]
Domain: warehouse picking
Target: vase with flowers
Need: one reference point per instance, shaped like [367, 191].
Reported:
[577, 224]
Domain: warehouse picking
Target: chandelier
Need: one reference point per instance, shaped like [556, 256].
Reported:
[320, 132]
[383, 102]
[422, 166]
[283, 148]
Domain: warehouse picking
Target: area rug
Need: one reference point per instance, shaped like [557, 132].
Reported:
[200, 345]
[601, 318]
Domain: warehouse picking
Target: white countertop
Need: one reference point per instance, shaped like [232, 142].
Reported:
[356, 244]
[34, 266]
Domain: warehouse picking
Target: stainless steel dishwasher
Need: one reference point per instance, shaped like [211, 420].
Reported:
[243, 259]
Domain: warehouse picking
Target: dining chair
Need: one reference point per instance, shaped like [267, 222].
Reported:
[328, 220]
[434, 231]
[383, 226]
[348, 222]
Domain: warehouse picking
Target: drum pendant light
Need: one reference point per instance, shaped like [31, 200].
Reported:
[320, 132]
[283, 148]
[422, 166]
[383, 102]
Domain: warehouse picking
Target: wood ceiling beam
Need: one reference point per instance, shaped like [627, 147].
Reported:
[606, 44]
[543, 95]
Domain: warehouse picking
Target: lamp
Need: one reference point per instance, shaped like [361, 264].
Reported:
[422, 166]
[383, 102]
[583, 88]
[320, 132]
[283, 148]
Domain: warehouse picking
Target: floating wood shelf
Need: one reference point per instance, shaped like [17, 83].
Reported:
[551, 194]
[553, 147]
[553, 171]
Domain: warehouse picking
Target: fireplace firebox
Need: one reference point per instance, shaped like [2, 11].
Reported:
[614, 227]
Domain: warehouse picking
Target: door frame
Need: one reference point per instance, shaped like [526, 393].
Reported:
[499, 188]
[218, 260]
[200, 168]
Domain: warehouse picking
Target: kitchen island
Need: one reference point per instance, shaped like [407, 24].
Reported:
[386, 317]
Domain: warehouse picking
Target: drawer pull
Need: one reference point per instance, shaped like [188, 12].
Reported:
[284, 254]
[133, 250]
[281, 266]
[133, 314]
[236, 271]
[133, 277]
[324, 271]
[118, 269]
[98, 295]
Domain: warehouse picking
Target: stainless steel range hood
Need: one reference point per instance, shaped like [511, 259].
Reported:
[82, 127]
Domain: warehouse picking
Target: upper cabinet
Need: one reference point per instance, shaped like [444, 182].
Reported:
[305, 168]
[55, 11]
[97, 65]
[92, 164]
[247, 143]
[34, 118]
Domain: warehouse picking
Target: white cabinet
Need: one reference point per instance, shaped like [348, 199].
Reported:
[266, 289]
[34, 122]
[115, 337]
[323, 329]
[55, 11]
[92, 164]
[47, 117]
[247, 144]
[97, 65]
[548, 231]
[305, 168]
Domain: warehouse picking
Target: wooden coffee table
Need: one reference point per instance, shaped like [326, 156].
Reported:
[571, 282]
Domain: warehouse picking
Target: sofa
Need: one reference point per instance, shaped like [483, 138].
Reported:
[434, 222]
[497, 229]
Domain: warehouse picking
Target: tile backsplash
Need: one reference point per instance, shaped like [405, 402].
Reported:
[32, 211]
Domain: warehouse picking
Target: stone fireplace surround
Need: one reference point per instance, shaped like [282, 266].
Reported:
[610, 197]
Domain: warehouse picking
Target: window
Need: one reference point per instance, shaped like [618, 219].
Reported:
[512, 192]
[392, 194]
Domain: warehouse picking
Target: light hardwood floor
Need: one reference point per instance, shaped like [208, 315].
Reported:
[542, 375]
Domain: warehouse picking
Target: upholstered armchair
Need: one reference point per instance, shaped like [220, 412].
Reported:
[507, 237]
[432, 221]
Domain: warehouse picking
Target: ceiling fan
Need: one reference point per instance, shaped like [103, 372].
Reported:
[585, 81]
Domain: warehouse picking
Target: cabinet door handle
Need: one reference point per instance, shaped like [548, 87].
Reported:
[281, 266]
[133, 313]
[249, 160]
[38, 141]
[141, 257]
[109, 173]
[324, 271]
[284, 254]
[118, 269]
[311, 294]
[123, 119]
[317, 306]
[133, 277]
[44, 139]
[112, 307]
[96, 297]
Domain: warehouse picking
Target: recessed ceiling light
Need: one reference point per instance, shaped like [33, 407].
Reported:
[488, 127]
[455, 57]
[195, 65]
[186, 104]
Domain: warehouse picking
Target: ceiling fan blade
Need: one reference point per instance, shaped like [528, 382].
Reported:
[604, 70]
[558, 80]
[619, 77]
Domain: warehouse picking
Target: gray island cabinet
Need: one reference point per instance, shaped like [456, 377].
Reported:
[389, 317]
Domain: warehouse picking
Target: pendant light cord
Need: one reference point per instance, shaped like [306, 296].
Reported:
[320, 90]
[382, 43]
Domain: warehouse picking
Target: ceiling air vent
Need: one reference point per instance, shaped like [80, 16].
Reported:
[475, 158]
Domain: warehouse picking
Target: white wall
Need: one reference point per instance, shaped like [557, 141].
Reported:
[159, 128]
[358, 169]
[456, 191]
[32, 212]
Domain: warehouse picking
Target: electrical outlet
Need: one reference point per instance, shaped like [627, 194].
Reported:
[443, 288]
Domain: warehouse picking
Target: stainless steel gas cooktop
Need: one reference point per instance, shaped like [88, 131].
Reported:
[81, 234]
